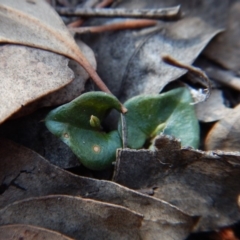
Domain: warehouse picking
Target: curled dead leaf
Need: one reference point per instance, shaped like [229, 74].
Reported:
[199, 183]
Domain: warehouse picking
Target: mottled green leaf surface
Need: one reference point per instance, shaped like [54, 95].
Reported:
[170, 113]
[95, 148]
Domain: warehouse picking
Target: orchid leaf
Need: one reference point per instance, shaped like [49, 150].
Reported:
[169, 113]
[78, 124]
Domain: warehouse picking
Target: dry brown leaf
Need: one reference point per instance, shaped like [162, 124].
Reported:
[28, 232]
[70, 91]
[203, 184]
[77, 86]
[224, 49]
[75, 217]
[25, 174]
[213, 109]
[30, 131]
[132, 58]
[225, 134]
[28, 74]
[35, 23]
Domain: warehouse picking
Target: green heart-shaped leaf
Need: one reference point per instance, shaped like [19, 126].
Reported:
[170, 113]
[78, 125]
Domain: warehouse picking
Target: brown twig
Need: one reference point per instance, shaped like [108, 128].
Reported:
[201, 76]
[225, 77]
[129, 24]
[76, 23]
[80, 21]
[160, 13]
[97, 80]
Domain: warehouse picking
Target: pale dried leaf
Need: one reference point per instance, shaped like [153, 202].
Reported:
[28, 232]
[76, 217]
[25, 174]
[225, 134]
[203, 184]
[77, 86]
[28, 74]
[35, 23]
[70, 91]
[213, 109]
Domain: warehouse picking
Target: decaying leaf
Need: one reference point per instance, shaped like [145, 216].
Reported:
[213, 109]
[28, 74]
[25, 174]
[36, 24]
[135, 55]
[39, 139]
[203, 184]
[224, 49]
[77, 86]
[28, 232]
[75, 217]
[150, 115]
[68, 92]
[225, 134]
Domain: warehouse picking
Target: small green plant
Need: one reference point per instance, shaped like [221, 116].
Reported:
[170, 113]
[78, 124]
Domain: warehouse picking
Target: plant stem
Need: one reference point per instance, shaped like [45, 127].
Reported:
[124, 131]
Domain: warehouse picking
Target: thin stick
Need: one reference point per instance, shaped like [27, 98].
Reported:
[80, 21]
[124, 131]
[76, 23]
[224, 77]
[193, 70]
[93, 74]
[130, 24]
[161, 13]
